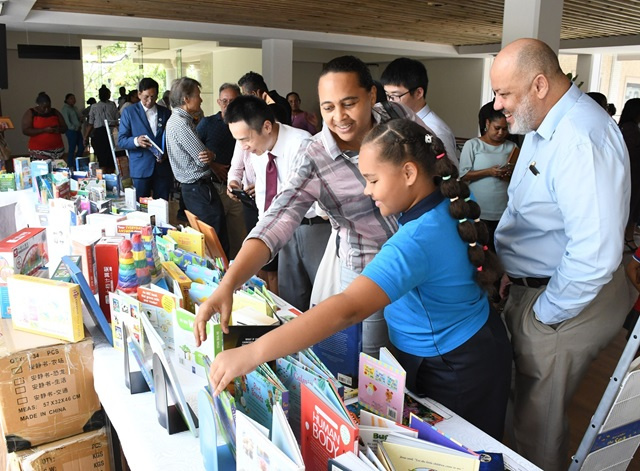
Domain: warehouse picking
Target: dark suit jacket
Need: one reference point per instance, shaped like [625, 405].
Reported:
[134, 123]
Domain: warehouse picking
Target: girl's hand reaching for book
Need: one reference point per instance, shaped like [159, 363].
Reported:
[219, 302]
[230, 364]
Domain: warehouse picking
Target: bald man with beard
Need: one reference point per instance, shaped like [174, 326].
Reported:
[560, 241]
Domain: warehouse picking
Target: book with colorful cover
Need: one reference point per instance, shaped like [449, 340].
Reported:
[327, 430]
[421, 408]
[160, 306]
[309, 359]
[212, 432]
[254, 449]
[256, 392]
[381, 385]
[189, 240]
[125, 309]
[203, 274]
[184, 258]
[187, 355]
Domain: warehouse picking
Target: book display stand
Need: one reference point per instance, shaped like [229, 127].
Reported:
[613, 435]
[169, 415]
[134, 380]
[216, 457]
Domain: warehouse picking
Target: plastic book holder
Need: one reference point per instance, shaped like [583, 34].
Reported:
[169, 415]
[134, 380]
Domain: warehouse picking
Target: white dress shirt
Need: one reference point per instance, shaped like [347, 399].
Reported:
[285, 149]
[444, 132]
[152, 117]
[567, 222]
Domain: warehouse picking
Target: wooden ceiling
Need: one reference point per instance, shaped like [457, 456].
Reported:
[453, 22]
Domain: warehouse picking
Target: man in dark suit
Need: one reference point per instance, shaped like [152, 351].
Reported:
[140, 124]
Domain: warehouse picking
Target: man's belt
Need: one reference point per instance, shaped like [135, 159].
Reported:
[530, 282]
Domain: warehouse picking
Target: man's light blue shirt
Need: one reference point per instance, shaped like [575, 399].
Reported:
[568, 221]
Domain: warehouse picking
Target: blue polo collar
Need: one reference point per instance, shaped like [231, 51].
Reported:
[423, 206]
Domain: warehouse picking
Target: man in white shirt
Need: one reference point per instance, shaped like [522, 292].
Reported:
[272, 148]
[405, 81]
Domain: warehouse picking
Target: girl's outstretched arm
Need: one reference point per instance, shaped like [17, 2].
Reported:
[361, 299]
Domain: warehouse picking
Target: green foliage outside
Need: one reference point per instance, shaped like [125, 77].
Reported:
[116, 68]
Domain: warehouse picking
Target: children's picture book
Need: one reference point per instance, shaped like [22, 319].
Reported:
[257, 392]
[160, 349]
[215, 456]
[187, 355]
[422, 408]
[125, 309]
[46, 307]
[254, 449]
[341, 353]
[375, 429]
[431, 434]
[160, 306]
[405, 454]
[349, 461]
[381, 385]
[189, 240]
[327, 428]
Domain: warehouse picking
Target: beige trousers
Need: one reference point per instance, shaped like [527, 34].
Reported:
[550, 363]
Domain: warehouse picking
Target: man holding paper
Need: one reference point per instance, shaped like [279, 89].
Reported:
[141, 134]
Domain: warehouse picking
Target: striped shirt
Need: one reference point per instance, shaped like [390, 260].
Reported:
[101, 111]
[322, 172]
[183, 146]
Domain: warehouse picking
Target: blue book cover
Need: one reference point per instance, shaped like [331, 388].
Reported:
[203, 275]
[293, 374]
[341, 352]
[256, 392]
[311, 361]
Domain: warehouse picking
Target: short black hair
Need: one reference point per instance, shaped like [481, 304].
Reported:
[42, 98]
[67, 96]
[250, 109]
[253, 82]
[147, 83]
[407, 73]
[292, 93]
[350, 64]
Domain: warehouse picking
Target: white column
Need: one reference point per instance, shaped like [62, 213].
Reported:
[277, 64]
[170, 70]
[540, 19]
[583, 71]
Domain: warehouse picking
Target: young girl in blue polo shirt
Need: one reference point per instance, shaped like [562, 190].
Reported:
[433, 276]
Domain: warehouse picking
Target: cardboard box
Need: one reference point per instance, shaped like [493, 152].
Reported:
[22, 172]
[46, 389]
[87, 451]
[24, 253]
[46, 307]
[107, 263]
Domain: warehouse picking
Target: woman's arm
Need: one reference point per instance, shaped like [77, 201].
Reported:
[361, 299]
[495, 171]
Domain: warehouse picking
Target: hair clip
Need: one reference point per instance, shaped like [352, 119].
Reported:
[485, 248]
[439, 156]
[476, 220]
[462, 220]
[444, 179]
[427, 138]
[467, 199]
[472, 244]
[479, 268]
[453, 199]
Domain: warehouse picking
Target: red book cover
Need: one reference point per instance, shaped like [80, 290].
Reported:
[107, 270]
[326, 428]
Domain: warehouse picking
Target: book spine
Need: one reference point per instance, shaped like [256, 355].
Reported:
[137, 354]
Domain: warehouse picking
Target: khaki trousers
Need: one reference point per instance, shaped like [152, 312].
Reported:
[550, 363]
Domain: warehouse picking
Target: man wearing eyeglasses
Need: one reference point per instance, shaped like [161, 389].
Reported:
[216, 136]
[405, 81]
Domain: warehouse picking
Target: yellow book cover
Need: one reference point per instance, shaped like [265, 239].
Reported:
[177, 276]
[46, 307]
[189, 240]
[408, 458]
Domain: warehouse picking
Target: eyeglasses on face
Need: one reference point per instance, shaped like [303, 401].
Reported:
[399, 97]
[224, 101]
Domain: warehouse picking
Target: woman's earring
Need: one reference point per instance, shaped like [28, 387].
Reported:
[485, 129]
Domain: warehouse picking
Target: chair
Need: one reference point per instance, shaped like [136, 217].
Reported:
[211, 240]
